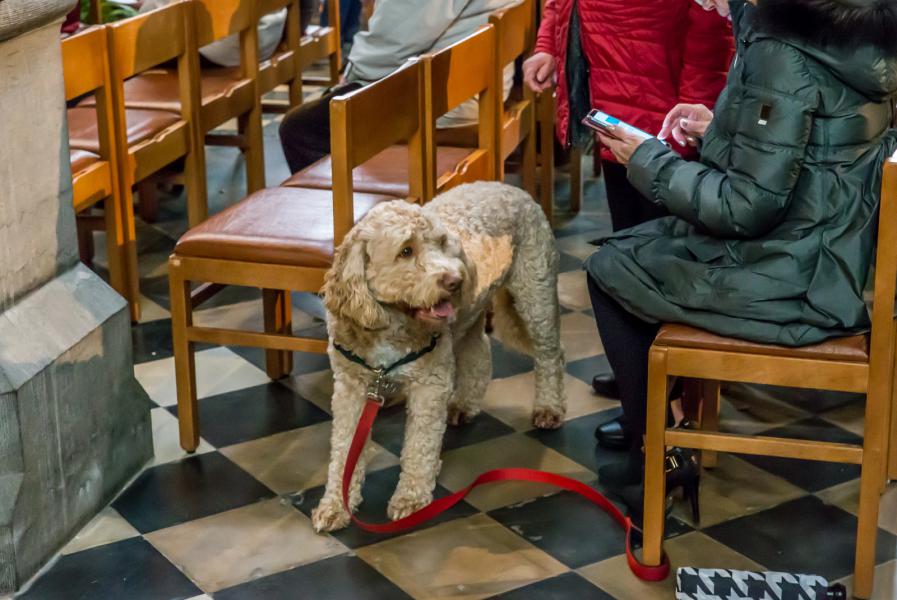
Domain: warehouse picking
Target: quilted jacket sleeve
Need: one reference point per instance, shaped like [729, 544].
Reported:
[545, 39]
[760, 134]
[707, 54]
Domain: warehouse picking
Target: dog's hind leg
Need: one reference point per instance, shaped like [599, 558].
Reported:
[348, 400]
[428, 398]
[473, 360]
[532, 285]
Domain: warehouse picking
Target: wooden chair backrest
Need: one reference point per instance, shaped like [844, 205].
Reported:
[515, 29]
[367, 122]
[218, 19]
[85, 62]
[452, 75]
[150, 39]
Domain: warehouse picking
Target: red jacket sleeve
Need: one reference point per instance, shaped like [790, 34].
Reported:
[546, 37]
[708, 51]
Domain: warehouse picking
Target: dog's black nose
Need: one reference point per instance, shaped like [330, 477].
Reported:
[451, 282]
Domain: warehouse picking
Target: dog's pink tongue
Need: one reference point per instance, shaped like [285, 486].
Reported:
[443, 310]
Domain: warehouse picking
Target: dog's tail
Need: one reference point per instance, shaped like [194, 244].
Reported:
[507, 325]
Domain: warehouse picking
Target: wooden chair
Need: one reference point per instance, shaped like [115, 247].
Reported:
[285, 66]
[861, 363]
[545, 119]
[148, 140]
[283, 239]
[225, 93]
[323, 43]
[515, 36]
[452, 76]
[85, 67]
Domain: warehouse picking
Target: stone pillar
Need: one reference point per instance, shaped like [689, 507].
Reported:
[74, 423]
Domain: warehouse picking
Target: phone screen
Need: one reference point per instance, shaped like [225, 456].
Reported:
[610, 126]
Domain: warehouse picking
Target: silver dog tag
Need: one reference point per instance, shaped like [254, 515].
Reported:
[381, 388]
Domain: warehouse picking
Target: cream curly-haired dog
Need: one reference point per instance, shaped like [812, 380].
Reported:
[407, 277]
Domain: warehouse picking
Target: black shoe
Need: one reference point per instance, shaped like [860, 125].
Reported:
[618, 475]
[605, 384]
[612, 435]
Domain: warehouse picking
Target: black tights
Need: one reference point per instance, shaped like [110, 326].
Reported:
[626, 340]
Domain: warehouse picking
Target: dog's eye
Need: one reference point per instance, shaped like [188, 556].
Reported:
[406, 252]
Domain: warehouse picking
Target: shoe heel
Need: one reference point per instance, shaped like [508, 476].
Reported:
[690, 491]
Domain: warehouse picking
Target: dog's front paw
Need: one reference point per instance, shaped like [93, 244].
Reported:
[329, 515]
[547, 418]
[461, 415]
[403, 503]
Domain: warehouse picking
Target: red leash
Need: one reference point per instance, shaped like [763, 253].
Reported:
[440, 505]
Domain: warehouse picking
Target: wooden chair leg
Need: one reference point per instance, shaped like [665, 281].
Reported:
[121, 265]
[575, 180]
[655, 449]
[184, 363]
[278, 319]
[131, 271]
[85, 241]
[250, 126]
[148, 200]
[709, 418]
[528, 167]
[545, 111]
[195, 181]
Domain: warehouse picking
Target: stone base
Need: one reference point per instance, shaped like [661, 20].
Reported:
[74, 422]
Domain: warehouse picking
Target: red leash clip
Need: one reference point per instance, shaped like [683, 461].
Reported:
[440, 505]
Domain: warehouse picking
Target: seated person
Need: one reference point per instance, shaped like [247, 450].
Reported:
[773, 231]
[398, 31]
[226, 52]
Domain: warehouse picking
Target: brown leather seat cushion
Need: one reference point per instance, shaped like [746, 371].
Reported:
[142, 124]
[849, 349]
[81, 159]
[385, 173]
[158, 89]
[289, 226]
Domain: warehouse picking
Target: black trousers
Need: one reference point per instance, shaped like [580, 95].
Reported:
[627, 206]
[305, 130]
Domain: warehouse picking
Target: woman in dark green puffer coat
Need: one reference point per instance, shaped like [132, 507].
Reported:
[773, 230]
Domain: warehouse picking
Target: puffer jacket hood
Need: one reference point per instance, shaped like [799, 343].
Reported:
[855, 39]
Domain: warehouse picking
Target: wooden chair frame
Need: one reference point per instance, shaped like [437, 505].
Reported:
[322, 43]
[545, 119]
[285, 67]
[365, 122]
[452, 75]
[873, 378]
[515, 36]
[85, 65]
[133, 48]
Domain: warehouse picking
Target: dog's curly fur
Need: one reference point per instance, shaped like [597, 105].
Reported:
[483, 246]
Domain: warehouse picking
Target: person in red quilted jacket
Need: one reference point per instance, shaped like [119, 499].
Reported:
[635, 60]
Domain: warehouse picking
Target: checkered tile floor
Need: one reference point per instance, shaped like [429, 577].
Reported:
[231, 521]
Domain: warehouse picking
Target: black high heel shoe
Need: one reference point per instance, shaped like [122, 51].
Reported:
[682, 472]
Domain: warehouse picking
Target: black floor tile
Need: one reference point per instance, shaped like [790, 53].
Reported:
[338, 578]
[576, 440]
[569, 263]
[192, 488]
[507, 363]
[570, 528]
[130, 569]
[254, 412]
[303, 362]
[152, 341]
[568, 586]
[587, 368]
[389, 430]
[800, 536]
[581, 224]
[813, 401]
[378, 489]
[809, 475]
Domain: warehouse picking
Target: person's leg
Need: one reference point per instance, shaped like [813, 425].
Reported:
[305, 130]
[623, 201]
[626, 340]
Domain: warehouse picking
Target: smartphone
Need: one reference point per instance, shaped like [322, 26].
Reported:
[611, 126]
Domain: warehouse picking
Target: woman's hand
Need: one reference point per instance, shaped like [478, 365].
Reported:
[721, 6]
[539, 71]
[686, 123]
[623, 146]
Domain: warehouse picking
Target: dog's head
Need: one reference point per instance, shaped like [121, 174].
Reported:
[397, 257]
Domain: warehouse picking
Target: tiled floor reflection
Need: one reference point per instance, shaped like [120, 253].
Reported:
[231, 522]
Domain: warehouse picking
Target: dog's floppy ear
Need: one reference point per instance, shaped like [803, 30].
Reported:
[346, 292]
